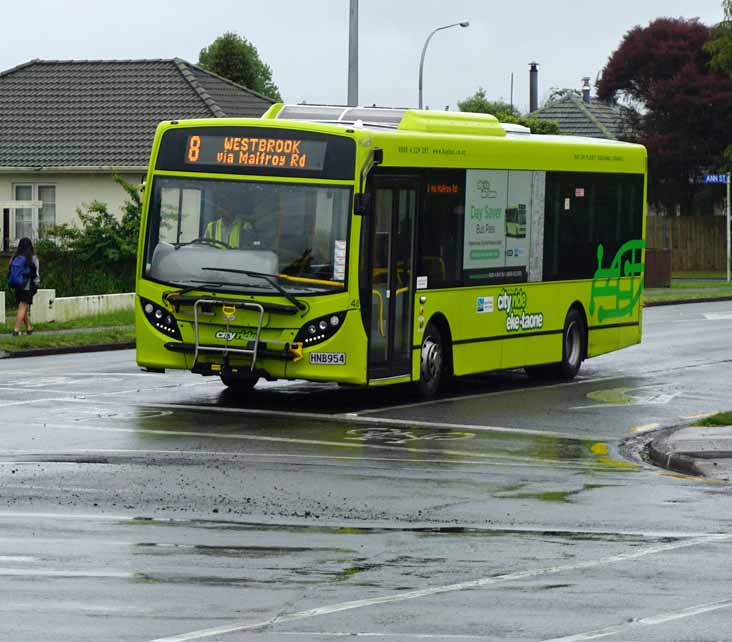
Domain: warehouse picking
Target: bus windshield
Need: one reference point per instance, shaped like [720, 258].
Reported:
[211, 233]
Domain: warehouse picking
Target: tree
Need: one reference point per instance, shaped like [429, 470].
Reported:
[237, 59]
[682, 109]
[506, 113]
[559, 93]
[479, 104]
[719, 46]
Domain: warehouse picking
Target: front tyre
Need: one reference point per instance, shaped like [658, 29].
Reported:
[432, 370]
[574, 338]
[239, 383]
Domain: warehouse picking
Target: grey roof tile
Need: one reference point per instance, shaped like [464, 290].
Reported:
[92, 113]
[596, 119]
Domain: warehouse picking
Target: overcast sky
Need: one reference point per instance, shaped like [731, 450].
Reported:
[305, 42]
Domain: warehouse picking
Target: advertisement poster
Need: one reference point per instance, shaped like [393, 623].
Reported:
[486, 195]
[497, 223]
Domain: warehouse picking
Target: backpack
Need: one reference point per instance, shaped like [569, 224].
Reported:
[18, 272]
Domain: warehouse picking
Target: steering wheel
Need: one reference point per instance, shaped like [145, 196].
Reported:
[211, 242]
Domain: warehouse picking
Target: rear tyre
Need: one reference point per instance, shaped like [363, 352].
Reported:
[433, 360]
[573, 345]
[239, 383]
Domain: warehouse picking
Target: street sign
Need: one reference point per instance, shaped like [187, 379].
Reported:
[715, 178]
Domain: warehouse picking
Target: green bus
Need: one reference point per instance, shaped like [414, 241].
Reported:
[372, 246]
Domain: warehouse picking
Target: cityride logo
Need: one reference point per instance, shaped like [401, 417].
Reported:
[513, 303]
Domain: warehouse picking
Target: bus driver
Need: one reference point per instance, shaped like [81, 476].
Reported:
[234, 232]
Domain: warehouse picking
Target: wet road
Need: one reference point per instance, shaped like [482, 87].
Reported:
[140, 506]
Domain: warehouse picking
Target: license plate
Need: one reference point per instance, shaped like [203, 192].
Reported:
[328, 358]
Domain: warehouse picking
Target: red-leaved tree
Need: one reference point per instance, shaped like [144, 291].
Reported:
[683, 110]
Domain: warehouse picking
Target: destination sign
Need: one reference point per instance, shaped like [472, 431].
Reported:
[256, 151]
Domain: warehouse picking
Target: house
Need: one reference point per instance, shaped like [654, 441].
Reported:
[585, 115]
[66, 127]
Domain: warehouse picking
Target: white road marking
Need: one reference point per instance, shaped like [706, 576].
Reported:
[570, 465]
[88, 397]
[356, 418]
[495, 393]
[33, 401]
[37, 572]
[652, 620]
[438, 590]
[718, 316]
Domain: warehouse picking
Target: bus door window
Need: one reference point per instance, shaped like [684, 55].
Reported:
[392, 279]
[403, 282]
[380, 265]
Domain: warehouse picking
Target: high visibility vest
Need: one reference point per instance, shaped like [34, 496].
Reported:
[215, 230]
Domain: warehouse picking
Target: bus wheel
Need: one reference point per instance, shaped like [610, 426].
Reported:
[239, 383]
[573, 344]
[432, 362]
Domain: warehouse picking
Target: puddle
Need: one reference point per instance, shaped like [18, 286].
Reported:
[561, 496]
[241, 552]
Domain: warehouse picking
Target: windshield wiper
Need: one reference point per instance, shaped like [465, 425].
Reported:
[270, 278]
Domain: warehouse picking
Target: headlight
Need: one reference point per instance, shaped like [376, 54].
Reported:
[318, 330]
[160, 319]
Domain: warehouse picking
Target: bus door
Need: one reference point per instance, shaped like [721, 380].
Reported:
[391, 251]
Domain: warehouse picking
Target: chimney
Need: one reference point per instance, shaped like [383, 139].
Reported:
[533, 86]
[586, 89]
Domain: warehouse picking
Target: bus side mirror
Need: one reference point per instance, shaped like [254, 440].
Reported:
[362, 204]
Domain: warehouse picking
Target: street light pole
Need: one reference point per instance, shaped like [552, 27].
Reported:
[424, 50]
[353, 54]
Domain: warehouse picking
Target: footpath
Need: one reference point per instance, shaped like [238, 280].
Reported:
[690, 450]
[704, 451]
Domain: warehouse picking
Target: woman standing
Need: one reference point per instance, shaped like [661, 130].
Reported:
[26, 262]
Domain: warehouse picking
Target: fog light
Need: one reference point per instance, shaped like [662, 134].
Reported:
[149, 308]
[158, 314]
[323, 325]
[334, 320]
[312, 329]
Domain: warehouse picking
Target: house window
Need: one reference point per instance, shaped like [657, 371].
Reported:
[31, 221]
[47, 213]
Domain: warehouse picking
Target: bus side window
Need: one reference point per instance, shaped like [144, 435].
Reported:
[440, 225]
[584, 210]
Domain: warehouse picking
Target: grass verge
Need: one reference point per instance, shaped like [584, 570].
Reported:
[701, 274]
[122, 334]
[721, 419]
[685, 295]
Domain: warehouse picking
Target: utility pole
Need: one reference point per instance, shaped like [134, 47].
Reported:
[353, 55]
[729, 180]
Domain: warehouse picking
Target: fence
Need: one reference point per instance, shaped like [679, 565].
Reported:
[696, 242]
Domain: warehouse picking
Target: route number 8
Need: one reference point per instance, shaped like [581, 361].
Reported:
[194, 149]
